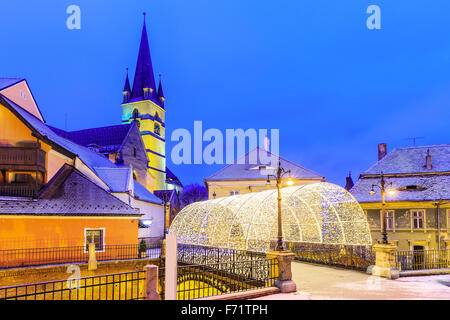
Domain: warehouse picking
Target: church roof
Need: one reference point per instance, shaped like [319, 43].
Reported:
[109, 139]
[245, 169]
[70, 193]
[144, 76]
[172, 178]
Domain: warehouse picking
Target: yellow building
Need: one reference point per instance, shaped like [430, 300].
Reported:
[246, 175]
[417, 208]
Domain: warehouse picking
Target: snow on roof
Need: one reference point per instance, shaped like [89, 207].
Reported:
[248, 170]
[406, 169]
[413, 160]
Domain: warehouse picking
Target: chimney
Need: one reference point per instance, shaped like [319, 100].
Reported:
[381, 150]
[349, 182]
[428, 165]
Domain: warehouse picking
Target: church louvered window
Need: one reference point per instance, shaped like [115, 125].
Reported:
[157, 129]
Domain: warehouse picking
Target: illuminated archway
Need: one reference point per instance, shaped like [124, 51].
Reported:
[314, 213]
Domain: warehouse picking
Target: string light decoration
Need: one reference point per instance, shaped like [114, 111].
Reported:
[314, 213]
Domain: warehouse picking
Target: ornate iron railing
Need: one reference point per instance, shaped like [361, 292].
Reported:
[347, 256]
[119, 286]
[199, 281]
[16, 258]
[423, 259]
[192, 254]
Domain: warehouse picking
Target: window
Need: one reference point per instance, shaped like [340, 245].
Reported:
[135, 113]
[389, 220]
[22, 178]
[448, 218]
[94, 236]
[157, 129]
[234, 192]
[134, 152]
[417, 216]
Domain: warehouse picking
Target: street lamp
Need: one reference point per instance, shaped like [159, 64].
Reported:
[280, 172]
[391, 192]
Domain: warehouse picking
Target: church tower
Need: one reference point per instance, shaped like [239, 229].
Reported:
[144, 104]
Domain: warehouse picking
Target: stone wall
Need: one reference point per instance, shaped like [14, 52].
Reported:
[14, 277]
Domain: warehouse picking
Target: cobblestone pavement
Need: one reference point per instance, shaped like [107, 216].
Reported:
[318, 282]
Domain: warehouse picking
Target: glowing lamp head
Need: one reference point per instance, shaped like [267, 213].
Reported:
[391, 192]
[372, 192]
[268, 182]
[290, 182]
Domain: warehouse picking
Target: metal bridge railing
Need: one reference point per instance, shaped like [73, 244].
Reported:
[347, 256]
[119, 286]
[423, 259]
[204, 280]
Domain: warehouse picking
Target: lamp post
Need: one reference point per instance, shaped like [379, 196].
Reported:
[280, 172]
[391, 191]
[166, 213]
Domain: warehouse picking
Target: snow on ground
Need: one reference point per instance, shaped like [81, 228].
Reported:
[318, 282]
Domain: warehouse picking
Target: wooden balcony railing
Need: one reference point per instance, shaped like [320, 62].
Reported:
[19, 190]
[22, 158]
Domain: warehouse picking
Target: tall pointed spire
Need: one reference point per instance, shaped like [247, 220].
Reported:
[161, 97]
[126, 90]
[127, 87]
[144, 79]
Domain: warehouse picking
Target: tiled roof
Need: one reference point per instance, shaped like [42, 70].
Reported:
[247, 170]
[436, 187]
[69, 193]
[7, 82]
[117, 179]
[413, 160]
[172, 178]
[108, 139]
[141, 193]
[89, 157]
[406, 169]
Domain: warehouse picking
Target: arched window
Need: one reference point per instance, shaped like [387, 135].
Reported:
[135, 113]
[157, 129]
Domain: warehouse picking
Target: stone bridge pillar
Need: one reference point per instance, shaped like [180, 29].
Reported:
[385, 265]
[284, 282]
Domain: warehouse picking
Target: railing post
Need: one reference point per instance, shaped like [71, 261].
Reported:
[92, 263]
[386, 264]
[151, 282]
[284, 282]
[171, 267]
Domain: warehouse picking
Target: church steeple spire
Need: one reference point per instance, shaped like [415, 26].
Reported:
[144, 79]
[161, 97]
[126, 89]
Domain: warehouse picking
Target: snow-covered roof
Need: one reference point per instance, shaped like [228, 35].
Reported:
[141, 193]
[413, 160]
[406, 169]
[245, 168]
[431, 188]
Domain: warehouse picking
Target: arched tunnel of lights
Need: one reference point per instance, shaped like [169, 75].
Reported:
[318, 213]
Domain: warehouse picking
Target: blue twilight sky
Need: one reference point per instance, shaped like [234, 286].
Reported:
[310, 68]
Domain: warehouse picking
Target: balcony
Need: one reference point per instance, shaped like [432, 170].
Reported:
[22, 159]
[22, 171]
[19, 190]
